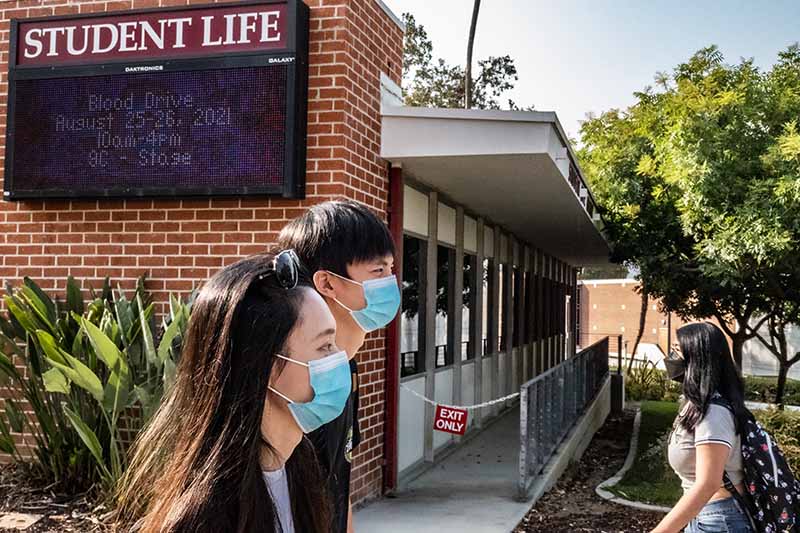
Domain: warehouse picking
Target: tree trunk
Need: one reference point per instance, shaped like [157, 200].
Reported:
[737, 342]
[470, 43]
[642, 320]
[783, 371]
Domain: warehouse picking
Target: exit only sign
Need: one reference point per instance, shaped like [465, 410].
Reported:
[450, 420]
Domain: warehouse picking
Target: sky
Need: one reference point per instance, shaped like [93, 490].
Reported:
[575, 57]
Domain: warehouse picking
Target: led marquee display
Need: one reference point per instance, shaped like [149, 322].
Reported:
[202, 101]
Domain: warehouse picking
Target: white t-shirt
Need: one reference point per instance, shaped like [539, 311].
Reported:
[717, 426]
[278, 487]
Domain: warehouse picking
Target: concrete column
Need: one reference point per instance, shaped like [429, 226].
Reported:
[508, 302]
[458, 308]
[520, 318]
[548, 272]
[527, 364]
[537, 345]
[477, 341]
[495, 311]
[430, 319]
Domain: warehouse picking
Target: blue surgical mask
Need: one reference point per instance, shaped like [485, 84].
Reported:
[383, 300]
[330, 378]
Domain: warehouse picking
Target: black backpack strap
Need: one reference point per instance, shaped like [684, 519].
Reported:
[743, 501]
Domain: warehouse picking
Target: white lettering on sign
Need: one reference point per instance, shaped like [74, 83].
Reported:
[133, 36]
[32, 41]
[449, 425]
[156, 38]
[179, 24]
[450, 419]
[145, 68]
[113, 33]
[269, 28]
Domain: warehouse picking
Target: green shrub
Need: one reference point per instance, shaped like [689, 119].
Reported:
[763, 389]
[86, 368]
[784, 426]
[646, 382]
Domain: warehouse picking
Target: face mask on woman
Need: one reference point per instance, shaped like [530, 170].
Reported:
[330, 379]
[383, 300]
[676, 367]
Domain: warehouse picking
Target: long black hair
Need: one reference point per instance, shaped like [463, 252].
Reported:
[196, 467]
[710, 369]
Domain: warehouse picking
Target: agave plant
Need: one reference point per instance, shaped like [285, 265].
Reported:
[90, 371]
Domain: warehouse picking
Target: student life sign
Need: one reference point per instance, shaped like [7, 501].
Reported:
[152, 35]
[199, 101]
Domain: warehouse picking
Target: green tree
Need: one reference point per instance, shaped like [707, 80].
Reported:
[699, 183]
[435, 83]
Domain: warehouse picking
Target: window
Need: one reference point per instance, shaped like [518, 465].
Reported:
[516, 298]
[539, 307]
[488, 315]
[528, 317]
[501, 309]
[577, 312]
[412, 358]
[467, 305]
[443, 351]
[505, 290]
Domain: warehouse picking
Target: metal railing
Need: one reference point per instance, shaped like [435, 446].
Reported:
[551, 403]
[617, 347]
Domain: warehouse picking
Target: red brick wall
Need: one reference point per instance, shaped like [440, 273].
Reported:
[180, 243]
[612, 307]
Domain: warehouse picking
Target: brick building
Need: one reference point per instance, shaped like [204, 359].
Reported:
[612, 307]
[180, 242]
[513, 246]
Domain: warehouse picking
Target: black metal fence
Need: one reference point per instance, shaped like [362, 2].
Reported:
[552, 402]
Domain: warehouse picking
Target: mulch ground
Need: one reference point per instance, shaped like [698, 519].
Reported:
[61, 513]
[573, 506]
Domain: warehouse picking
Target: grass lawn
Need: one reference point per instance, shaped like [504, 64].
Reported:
[651, 479]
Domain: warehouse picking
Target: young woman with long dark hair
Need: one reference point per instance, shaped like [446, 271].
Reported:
[705, 442]
[226, 452]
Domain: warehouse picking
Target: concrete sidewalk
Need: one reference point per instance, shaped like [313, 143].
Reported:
[472, 490]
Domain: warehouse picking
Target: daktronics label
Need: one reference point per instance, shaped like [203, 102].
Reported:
[194, 33]
[191, 101]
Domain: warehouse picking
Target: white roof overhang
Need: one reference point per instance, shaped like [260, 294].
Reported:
[511, 167]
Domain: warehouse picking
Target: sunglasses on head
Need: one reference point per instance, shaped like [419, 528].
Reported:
[284, 267]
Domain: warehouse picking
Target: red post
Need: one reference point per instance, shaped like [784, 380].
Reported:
[392, 365]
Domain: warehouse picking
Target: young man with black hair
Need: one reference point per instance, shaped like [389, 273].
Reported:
[348, 254]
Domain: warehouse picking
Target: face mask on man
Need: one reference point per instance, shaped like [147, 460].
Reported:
[676, 366]
[330, 379]
[383, 300]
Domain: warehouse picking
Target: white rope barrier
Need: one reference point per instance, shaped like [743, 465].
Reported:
[467, 407]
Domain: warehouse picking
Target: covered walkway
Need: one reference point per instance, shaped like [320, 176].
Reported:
[473, 489]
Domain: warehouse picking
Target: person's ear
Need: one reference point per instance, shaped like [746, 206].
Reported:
[322, 282]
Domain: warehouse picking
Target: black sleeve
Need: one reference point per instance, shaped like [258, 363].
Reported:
[356, 403]
[334, 443]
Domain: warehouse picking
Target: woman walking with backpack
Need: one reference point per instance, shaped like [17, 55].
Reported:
[705, 444]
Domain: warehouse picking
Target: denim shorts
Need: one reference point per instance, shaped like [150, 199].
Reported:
[720, 516]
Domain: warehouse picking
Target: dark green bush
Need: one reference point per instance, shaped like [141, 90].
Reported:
[784, 426]
[86, 367]
[645, 382]
[763, 389]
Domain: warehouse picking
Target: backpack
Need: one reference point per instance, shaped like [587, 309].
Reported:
[773, 499]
